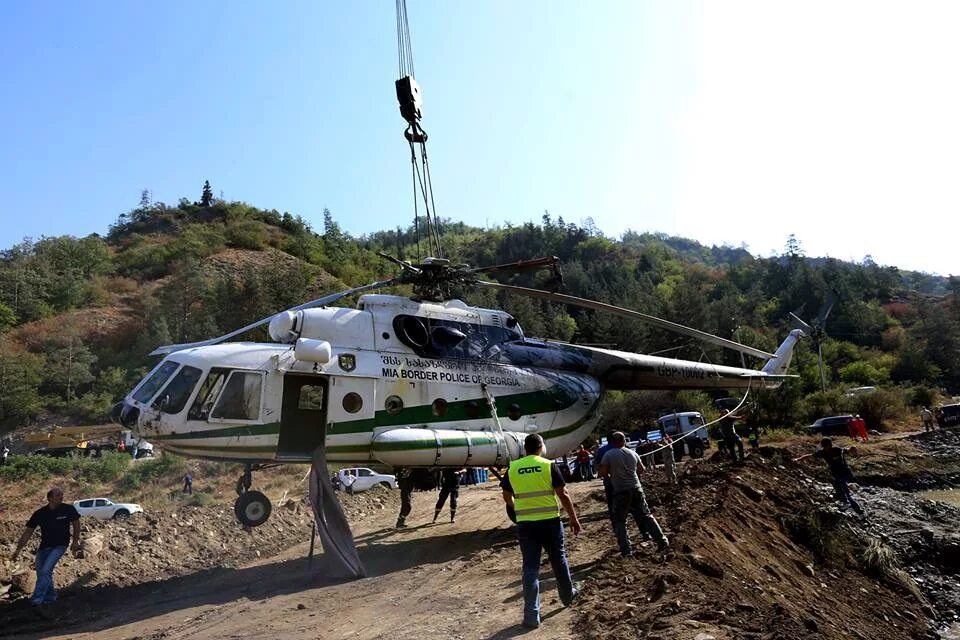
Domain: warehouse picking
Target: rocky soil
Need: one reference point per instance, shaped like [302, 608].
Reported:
[157, 546]
[759, 551]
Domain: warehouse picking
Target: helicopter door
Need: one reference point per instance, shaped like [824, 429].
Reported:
[303, 416]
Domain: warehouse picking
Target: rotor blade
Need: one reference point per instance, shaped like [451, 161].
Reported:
[807, 329]
[627, 313]
[827, 308]
[521, 265]
[319, 302]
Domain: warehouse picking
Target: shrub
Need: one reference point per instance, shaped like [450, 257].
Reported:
[166, 467]
[880, 405]
[247, 234]
[106, 468]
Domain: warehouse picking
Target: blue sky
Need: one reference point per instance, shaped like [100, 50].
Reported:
[735, 122]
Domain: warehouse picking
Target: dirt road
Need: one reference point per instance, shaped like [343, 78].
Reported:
[759, 551]
[446, 580]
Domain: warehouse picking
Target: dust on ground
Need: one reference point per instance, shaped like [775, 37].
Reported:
[758, 551]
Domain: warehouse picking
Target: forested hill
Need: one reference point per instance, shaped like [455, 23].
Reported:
[79, 315]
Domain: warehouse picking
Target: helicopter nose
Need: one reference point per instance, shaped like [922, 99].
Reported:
[129, 415]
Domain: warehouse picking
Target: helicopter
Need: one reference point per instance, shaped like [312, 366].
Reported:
[422, 380]
[411, 381]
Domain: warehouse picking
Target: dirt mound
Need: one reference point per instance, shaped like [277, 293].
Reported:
[160, 545]
[757, 552]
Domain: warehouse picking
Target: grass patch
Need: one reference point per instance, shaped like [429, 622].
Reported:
[148, 472]
[881, 561]
[107, 468]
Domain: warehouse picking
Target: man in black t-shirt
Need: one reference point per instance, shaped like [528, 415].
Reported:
[55, 521]
[836, 460]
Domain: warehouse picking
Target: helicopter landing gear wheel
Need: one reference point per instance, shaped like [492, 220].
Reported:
[252, 508]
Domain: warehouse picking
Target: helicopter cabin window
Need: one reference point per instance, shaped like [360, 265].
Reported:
[174, 396]
[209, 390]
[240, 399]
[155, 380]
[311, 398]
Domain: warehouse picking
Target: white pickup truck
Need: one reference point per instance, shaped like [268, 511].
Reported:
[104, 509]
[357, 479]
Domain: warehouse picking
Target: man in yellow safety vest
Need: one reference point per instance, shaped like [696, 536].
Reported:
[534, 490]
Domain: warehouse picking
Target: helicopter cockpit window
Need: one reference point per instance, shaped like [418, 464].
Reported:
[174, 396]
[156, 380]
[209, 390]
[240, 399]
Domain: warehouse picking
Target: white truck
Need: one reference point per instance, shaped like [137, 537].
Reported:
[680, 424]
[357, 479]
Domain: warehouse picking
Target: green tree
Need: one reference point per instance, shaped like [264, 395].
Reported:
[68, 365]
[206, 197]
[20, 375]
[8, 318]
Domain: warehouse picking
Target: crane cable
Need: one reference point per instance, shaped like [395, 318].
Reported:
[408, 94]
[404, 46]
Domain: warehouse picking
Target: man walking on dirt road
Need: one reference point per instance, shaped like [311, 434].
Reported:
[926, 417]
[405, 483]
[449, 486]
[836, 460]
[55, 521]
[534, 490]
[621, 465]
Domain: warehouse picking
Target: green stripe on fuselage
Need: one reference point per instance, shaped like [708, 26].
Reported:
[266, 429]
[556, 398]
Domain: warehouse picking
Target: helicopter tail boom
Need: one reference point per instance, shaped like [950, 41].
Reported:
[625, 371]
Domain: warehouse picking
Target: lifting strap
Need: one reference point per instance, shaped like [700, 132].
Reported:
[340, 551]
[503, 451]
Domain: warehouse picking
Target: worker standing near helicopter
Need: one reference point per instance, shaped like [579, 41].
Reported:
[406, 484]
[449, 486]
[534, 491]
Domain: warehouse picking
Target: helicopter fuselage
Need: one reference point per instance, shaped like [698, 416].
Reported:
[396, 381]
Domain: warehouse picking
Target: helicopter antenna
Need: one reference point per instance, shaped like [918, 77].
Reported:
[408, 95]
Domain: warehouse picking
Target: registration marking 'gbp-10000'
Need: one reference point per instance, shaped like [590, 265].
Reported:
[673, 371]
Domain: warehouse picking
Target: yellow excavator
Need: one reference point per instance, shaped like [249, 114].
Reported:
[86, 440]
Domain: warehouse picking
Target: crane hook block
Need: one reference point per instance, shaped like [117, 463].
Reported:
[408, 95]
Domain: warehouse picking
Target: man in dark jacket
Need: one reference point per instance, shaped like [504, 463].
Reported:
[836, 460]
[55, 521]
[449, 486]
[406, 484]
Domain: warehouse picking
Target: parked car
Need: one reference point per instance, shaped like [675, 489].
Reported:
[357, 479]
[680, 424]
[104, 509]
[830, 426]
[948, 415]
